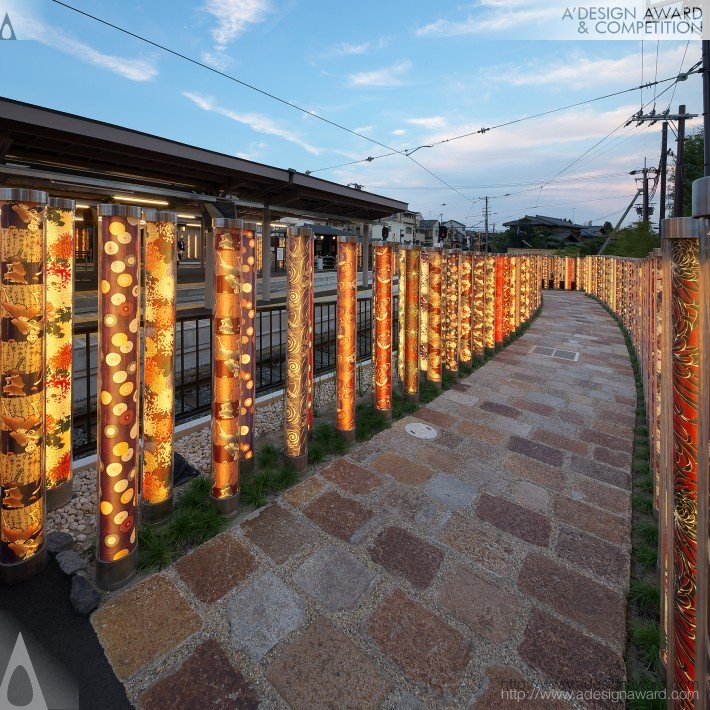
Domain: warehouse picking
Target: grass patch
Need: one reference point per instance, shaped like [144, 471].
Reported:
[647, 638]
[645, 596]
[369, 421]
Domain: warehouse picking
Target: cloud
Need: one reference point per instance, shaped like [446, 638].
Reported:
[234, 17]
[386, 76]
[428, 122]
[257, 122]
[347, 49]
[363, 129]
[399, 132]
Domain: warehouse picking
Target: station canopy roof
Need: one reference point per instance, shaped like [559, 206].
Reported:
[68, 155]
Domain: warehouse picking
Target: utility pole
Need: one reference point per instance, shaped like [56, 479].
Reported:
[645, 173]
[706, 105]
[663, 168]
[680, 165]
[486, 217]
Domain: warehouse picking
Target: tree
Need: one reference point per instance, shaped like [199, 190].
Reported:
[694, 169]
[637, 240]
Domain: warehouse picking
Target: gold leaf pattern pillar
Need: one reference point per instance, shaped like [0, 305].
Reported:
[59, 293]
[247, 327]
[382, 302]
[346, 337]
[118, 417]
[402, 298]
[451, 310]
[311, 334]
[411, 324]
[423, 310]
[479, 305]
[22, 481]
[434, 350]
[490, 302]
[508, 298]
[160, 280]
[299, 279]
[226, 364]
[466, 308]
[499, 299]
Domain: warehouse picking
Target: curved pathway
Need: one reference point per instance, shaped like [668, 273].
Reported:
[459, 572]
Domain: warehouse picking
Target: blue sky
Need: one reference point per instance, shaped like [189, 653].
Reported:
[403, 73]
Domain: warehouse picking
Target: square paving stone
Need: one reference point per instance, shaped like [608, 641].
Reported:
[606, 440]
[451, 491]
[571, 660]
[206, 680]
[305, 491]
[503, 683]
[215, 567]
[579, 598]
[593, 520]
[618, 459]
[352, 478]
[432, 416]
[400, 552]
[337, 515]
[609, 498]
[560, 441]
[512, 518]
[607, 561]
[401, 469]
[529, 495]
[144, 623]
[263, 614]
[429, 651]
[535, 471]
[492, 550]
[279, 533]
[409, 506]
[535, 450]
[323, 668]
[440, 460]
[474, 430]
[600, 471]
[334, 577]
[486, 608]
[502, 410]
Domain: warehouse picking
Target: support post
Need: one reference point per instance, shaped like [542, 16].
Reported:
[266, 255]
[411, 323]
[434, 354]
[382, 302]
[346, 337]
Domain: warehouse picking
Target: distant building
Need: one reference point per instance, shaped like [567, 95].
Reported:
[562, 231]
[403, 228]
[428, 232]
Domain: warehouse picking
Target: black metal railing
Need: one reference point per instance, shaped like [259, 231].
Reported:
[193, 360]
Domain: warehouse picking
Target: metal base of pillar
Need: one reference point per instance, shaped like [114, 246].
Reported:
[299, 463]
[412, 397]
[348, 435]
[156, 514]
[386, 413]
[59, 496]
[114, 575]
[226, 507]
[437, 385]
[246, 466]
[20, 571]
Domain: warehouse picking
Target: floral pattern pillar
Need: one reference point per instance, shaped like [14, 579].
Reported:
[226, 364]
[118, 417]
[22, 481]
[466, 308]
[434, 350]
[452, 305]
[160, 280]
[382, 302]
[299, 278]
[411, 323]
[479, 305]
[423, 310]
[59, 351]
[346, 337]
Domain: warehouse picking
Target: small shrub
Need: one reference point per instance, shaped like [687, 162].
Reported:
[647, 638]
[645, 596]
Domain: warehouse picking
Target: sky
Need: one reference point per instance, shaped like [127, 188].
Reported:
[402, 73]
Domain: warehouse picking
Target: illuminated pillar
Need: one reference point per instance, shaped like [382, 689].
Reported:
[424, 310]
[59, 293]
[118, 418]
[346, 337]
[299, 279]
[508, 299]
[657, 364]
[22, 307]
[383, 254]
[491, 274]
[515, 293]
[160, 279]
[451, 310]
[402, 294]
[479, 305]
[434, 351]
[411, 324]
[226, 364]
[499, 298]
[569, 272]
[311, 333]
[466, 308]
[247, 329]
[681, 252]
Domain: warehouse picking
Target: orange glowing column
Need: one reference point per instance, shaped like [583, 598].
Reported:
[22, 511]
[466, 308]
[452, 305]
[59, 292]
[299, 278]
[346, 337]
[226, 364]
[569, 272]
[479, 305]
[311, 335]
[119, 393]
[411, 323]
[490, 304]
[499, 298]
[434, 355]
[423, 309]
[382, 331]
[507, 296]
[514, 293]
[247, 329]
[402, 298]
[160, 279]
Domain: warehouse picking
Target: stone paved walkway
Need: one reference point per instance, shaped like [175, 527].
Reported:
[417, 573]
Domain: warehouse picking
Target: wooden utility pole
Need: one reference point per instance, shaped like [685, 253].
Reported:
[663, 168]
[680, 164]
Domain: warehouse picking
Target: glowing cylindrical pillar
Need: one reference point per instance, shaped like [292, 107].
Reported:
[424, 310]
[514, 306]
[311, 334]
[22, 309]
[490, 308]
[411, 323]
[434, 349]
[569, 272]
[160, 279]
[402, 299]
[382, 301]
[499, 298]
[479, 305]
[299, 278]
[247, 328]
[226, 364]
[466, 308]
[452, 286]
[681, 245]
[59, 293]
[346, 337]
[118, 418]
[507, 297]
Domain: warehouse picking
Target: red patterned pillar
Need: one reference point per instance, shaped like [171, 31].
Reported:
[346, 337]
[411, 323]
[490, 307]
[451, 310]
[382, 302]
[466, 307]
[479, 305]
[434, 351]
